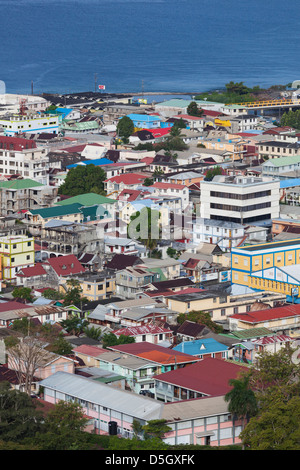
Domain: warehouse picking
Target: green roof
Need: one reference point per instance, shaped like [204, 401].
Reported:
[88, 199]
[282, 161]
[251, 333]
[57, 211]
[19, 184]
[86, 125]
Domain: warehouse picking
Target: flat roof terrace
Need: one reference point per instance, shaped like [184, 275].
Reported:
[268, 246]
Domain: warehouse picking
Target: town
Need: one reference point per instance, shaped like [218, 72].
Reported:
[150, 257]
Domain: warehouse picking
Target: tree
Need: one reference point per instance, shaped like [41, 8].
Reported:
[202, 318]
[83, 179]
[64, 428]
[61, 346]
[109, 339]
[19, 417]
[211, 173]
[74, 325]
[73, 294]
[276, 427]
[156, 428]
[241, 399]
[274, 380]
[144, 226]
[125, 127]
[27, 351]
[148, 182]
[193, 109]
[92, 332]
[52, 294]
[23, 293]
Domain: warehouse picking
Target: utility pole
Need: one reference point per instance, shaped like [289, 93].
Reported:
[96, 75]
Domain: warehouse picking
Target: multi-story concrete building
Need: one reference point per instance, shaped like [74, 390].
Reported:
[224, 234]
[19, 124]
[16, 252]
[29, 162]
[277, 148]
[240, 199]
[24, 194]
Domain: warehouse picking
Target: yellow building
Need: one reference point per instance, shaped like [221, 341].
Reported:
[268, 266]
[16, 252]
[219, 305]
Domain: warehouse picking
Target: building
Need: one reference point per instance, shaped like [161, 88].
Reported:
[208, 377]
[23, 194]
[38, 124]
[201, 421]
[203, 348]
[32, 163]
[220, 305]
[283, 320]
[276, 149]
[267, 266]
[131, 281]
[16, 252]
[222, 233]
[243, 200]
[36, 219]
[151, 333]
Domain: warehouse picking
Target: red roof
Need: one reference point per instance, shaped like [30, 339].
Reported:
[65, 265]
[13, 305]
[258, 316]
[129, 194]
[142, 330]
[155, 353]
[209, 376]
[189, 118]
[16, 143]
[159, 132]
[128, 178]
[36, 270]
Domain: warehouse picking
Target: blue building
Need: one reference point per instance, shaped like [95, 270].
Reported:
[203, 348]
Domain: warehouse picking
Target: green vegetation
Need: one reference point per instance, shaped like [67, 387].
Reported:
[109, 339]
[83, 179]
[234, 93]
[267, 398]
[125, 128]
[211, 173]
[202, 318]
[291, 119]
[194, 110]
[23, 293]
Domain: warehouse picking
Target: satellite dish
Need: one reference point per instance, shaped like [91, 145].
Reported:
[2, 88]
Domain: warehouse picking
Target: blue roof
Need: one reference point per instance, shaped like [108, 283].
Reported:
[200, 346]
[143, 117]
[96, 162]
[290, 183]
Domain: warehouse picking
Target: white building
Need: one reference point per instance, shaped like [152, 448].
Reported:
[224, 234]
[13, 102]
[240, 199]
[28, 163]
[168, 190]
[18, 124]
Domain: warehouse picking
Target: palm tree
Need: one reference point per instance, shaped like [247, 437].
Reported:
[241, 400]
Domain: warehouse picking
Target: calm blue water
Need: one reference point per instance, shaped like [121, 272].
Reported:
[147, 45]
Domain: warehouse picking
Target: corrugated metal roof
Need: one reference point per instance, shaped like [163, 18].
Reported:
[104, 395]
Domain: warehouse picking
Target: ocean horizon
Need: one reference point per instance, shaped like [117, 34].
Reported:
[134, 46]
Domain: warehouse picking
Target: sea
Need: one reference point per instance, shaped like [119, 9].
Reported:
[146, 46]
